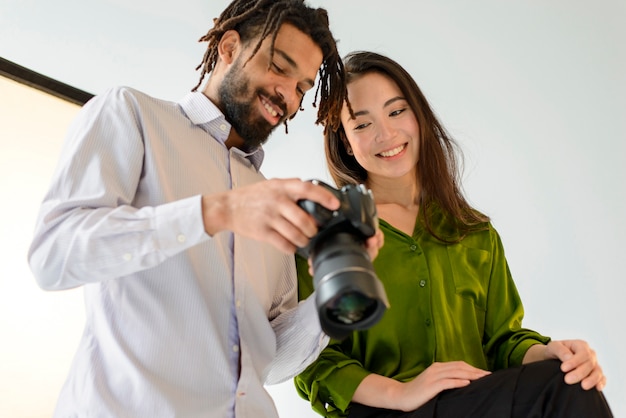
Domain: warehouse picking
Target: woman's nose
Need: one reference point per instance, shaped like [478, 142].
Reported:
[386, 131]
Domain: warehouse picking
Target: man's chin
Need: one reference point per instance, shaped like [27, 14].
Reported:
[255, 134]
[251, 142]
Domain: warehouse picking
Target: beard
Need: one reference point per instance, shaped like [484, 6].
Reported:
[238, 105]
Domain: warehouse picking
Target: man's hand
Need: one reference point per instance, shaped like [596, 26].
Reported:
[267, 211]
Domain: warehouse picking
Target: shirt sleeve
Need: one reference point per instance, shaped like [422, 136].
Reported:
[506, 342]
[299, 341]
[88, 229]
[330, 382]
[299, 336]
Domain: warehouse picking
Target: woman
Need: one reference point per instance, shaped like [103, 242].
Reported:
[452, 344]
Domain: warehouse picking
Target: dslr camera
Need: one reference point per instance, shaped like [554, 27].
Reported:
[349, 295]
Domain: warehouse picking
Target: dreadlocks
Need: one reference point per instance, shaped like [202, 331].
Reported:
[262, 19]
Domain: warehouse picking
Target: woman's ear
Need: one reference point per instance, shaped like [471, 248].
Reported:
[229, 46]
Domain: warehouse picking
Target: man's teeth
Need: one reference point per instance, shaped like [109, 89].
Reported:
[270, 109]
[392, 152]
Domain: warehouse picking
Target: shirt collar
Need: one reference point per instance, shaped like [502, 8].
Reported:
[205, 114]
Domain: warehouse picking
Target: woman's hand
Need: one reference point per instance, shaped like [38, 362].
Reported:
[579, 361]
[383, 392]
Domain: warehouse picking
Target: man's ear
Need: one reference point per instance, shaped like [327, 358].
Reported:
[229, 46]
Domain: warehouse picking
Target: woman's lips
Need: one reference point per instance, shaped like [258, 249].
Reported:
[393, 152]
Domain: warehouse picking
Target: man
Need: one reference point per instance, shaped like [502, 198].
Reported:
[184, 251]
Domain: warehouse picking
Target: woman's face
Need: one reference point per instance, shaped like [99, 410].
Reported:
[384, 135]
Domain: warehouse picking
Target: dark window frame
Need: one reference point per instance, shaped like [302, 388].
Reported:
[43, 83]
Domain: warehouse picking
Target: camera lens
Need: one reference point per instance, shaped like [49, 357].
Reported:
[349, 295]
[350, 307]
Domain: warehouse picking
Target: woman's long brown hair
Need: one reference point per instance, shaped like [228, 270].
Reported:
[438, 169]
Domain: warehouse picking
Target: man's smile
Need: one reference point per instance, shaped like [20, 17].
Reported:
[273, 112]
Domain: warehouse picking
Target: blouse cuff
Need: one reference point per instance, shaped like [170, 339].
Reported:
[344, 382]
[517, 356]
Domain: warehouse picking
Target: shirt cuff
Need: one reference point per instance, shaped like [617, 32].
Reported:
[179, 225]
[310, 319]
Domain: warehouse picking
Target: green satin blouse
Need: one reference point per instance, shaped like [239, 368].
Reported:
[447, 302]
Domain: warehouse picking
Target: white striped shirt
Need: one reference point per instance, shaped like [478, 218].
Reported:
[178, 323]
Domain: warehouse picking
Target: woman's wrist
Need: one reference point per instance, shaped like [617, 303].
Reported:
[536, 352]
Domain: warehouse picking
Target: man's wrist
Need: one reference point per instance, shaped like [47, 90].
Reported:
[214, 213]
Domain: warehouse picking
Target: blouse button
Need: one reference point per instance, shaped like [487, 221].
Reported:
[413, 247]
[422, 283]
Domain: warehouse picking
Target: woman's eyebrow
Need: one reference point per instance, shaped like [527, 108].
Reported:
[393, 100]
[387, 103]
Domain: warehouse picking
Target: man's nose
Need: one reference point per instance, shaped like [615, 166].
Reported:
[287, 92]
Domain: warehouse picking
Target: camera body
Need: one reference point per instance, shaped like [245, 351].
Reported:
[349, 295]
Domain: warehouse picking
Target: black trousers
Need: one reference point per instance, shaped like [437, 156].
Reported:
[531, 391]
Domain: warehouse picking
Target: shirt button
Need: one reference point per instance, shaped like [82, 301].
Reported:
[223, 127]
[238, 304]
[413, 247]
[235, 348]
[427, 321]
[181, 238]
[128, 257]
[422, 283]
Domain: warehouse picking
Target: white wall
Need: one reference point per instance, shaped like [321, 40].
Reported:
[39, 330]
[534, 91]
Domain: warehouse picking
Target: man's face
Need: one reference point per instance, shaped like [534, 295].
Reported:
[258, 95]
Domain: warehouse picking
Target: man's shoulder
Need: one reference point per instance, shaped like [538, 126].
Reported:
[123, 103]
[130, 95]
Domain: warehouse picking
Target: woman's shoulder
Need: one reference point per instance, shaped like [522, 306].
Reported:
[452, 229]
